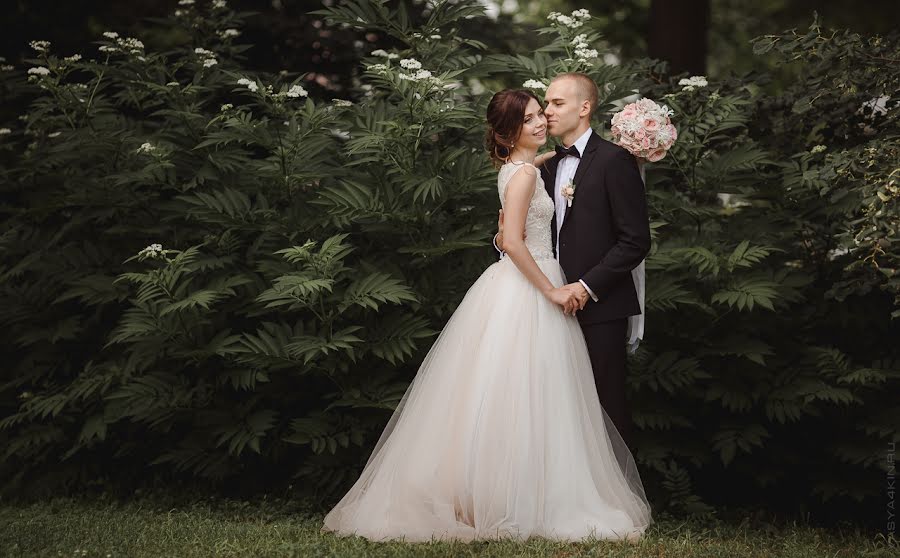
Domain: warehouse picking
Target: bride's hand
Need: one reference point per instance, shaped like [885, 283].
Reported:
[543, 158]
[564, 298]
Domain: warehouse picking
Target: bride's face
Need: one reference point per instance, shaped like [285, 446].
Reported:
[534, 127]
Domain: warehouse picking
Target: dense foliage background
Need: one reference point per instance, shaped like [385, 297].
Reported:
[301, 253]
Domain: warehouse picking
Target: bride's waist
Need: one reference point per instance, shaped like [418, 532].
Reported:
[541, 251]
[542, 255]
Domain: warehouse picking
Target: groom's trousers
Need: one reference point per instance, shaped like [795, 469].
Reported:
[606, 348]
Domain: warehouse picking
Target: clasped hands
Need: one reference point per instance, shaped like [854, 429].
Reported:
[571, 297]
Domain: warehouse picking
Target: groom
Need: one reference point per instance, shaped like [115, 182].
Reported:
[601, 237]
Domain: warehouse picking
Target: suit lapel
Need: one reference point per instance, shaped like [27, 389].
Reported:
[550, 184]
[589, 150]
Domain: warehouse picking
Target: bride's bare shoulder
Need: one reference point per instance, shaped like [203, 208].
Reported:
[521, 166]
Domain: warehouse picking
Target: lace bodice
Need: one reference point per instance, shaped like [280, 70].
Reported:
[540, 213]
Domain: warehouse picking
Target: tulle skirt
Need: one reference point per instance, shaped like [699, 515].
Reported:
[500, 434]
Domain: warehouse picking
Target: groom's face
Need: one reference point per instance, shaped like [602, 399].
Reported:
[564, 107]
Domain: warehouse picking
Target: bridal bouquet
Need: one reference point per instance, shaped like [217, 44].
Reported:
[644, 129]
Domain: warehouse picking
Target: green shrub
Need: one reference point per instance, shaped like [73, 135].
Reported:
[302, 253]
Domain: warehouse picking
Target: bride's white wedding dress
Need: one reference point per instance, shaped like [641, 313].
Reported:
[501, 433]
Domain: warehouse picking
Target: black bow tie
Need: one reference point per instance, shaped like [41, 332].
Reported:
[571, 150]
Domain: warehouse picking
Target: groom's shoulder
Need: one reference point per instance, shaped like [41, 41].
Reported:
[611, 154]
[609, 148]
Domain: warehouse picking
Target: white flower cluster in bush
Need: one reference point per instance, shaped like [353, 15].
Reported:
[147, 148]
[296, 91]
[416, 72]
[582, 52]
[410, 64]
[418, 76]
[692, 82]
[573, 21]
[208, 56]
[385, 54]
[534, 84]
[251, 85]
[152, 251]
[126, 44]
[40, 46]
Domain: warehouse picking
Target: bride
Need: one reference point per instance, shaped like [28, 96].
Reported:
[501, 433]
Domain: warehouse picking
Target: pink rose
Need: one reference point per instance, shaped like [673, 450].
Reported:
[651, 125]
[656, 154]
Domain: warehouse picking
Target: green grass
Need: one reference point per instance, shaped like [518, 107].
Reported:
[216, 527]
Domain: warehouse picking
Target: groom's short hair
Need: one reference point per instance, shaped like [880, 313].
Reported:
[586, 87]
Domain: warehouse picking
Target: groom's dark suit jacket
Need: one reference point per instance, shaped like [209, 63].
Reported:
[606, 232]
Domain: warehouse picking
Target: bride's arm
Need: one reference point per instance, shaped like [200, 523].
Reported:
[519, 191]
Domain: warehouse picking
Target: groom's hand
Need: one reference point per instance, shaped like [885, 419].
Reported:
[499, 238]
[500, 231]
[580, 292]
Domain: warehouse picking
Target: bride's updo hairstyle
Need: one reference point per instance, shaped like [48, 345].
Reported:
[505, 116]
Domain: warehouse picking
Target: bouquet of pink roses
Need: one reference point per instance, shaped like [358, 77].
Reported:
[644, 129]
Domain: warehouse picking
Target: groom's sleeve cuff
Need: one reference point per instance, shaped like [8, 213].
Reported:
[588, 289]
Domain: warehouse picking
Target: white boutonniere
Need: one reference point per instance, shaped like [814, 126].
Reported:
[568, 192]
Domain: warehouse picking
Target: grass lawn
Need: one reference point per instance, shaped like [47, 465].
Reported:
[161, 527]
